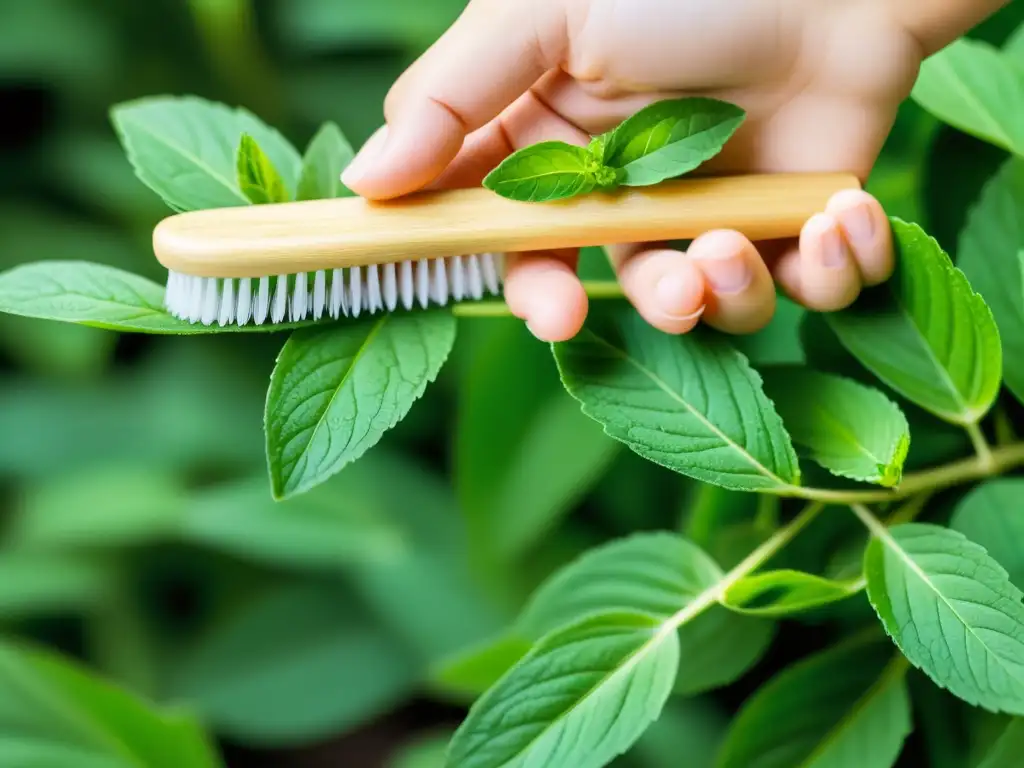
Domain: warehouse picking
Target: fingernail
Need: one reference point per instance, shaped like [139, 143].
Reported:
[365, 159]
[833, 249]
[674, 296]
[859, 224]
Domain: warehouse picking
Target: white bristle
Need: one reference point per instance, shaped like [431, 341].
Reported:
[335, 293]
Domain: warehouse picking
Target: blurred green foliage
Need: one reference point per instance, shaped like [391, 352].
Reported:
[138, 533]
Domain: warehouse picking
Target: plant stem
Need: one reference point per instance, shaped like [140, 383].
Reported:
[973, 468]
[872, 523]
[596, 289]
[981, 446]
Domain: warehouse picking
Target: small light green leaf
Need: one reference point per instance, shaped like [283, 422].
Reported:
[336, 390]
[990, 515]
[847, 707]
[670, 138]
[927, 334]
[989, 254]
[581, 697]
[322, 530]
[297, 664]
[257, 177]
[952, 610]
[427, 751]
[851, 430]
[1007, 750]
[688, 403]
[785, 593]
[551, 170]
[977, 89]
[327, 155]
[47, 583]
[101, 297]
[470, 673]
[50, 707]
[184, 149]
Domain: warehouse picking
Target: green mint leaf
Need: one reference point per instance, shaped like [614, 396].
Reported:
[321, 530]
[294, 665]
[851, 430]
[989, 515]
[657, 574]
[184, 149]
[785, 593]
[670, 138]
[551, 170]
[582, 696]
[508, 440]
[952, 611]
[1014, 47]
[427, 751]
[1006, 752]
[52, 708]
[336, 390]
[975, 88]
[99, 296]
[926, 333]
[847, 706]
[989, 255]
[257, 177]
[327, 155]
[684, 402]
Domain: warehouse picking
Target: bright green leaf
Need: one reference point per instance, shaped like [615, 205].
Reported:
[670, 138]
[1007, 751]
[989, 255]
[47, 583]
[322, 530]
[327, 155]
[337, 390]
[470, 673]
[786, 592]
[257, 177]
[931, 337]
[990, 515]
[976, 88]
[47, 705]
[184, 149]
[689, 403]
[952, 610]
[581, 697]
[551, 170]
[296, 665]
[427, 751]
[1014, 47]
[101, 297]
[844, 708]
[852, 430]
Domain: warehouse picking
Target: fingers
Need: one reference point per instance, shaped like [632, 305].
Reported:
[666, 288]
[866, 229]
[544, 290]
[484, 62]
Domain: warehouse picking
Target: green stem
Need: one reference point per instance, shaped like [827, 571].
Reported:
[981, 446]
[596, 289]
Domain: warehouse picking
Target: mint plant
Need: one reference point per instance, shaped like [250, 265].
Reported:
[860, 479]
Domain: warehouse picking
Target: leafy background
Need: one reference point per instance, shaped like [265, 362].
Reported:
[138, 534]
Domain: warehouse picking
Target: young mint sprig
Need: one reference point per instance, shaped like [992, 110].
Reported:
[663, 141]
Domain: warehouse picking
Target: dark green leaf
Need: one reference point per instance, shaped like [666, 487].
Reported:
[990, 516]
[296, 665]
[933, 339]
[952, 610]
[327, 155]
[689, 402]
[425, 752]
[718, 647]
[844, 708]
[470, 673]
[852, 430]
[258, 179]
[1008, 749]
[50, 707]
[691, 727]
[976, 88]
[542, 172]
[989, 255]
[336, 390]
[581, 697]
[785, 592]
[670, 138]
[184, 149]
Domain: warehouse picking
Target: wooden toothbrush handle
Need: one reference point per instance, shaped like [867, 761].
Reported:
[254, 241]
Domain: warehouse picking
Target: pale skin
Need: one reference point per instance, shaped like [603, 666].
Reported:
[821, 81]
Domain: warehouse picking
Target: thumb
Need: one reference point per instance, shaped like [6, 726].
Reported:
[492, 54]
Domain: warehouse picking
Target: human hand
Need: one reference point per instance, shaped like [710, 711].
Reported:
[821, 82]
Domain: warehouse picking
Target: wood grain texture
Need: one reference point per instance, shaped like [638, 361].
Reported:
[287, 238]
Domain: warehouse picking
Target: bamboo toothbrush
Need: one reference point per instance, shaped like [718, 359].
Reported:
[342, 257]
